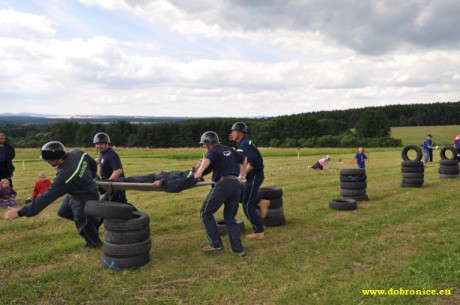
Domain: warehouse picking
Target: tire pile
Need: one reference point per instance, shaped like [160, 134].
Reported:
[413, 171]
[127, 242]
[275, 214]
[353, 184]
[448, 167]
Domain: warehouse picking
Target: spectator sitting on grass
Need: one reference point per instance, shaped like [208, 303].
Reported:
[40, 186]
[7, 194]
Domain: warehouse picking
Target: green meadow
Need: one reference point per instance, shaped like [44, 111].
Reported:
[442, 135]
[402, 239]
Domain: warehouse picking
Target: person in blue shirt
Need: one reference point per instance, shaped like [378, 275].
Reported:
[427, 146]
[254, 178]
[457, 146]
[361, 158]
[228, 171]
[110, 167]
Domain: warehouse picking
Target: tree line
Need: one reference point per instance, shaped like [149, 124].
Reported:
[300, 130]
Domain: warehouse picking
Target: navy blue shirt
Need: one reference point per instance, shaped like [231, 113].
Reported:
[225, 161]
[427, 143]
[247, 148]
[457, 143]
[109, 162]
[74, 177]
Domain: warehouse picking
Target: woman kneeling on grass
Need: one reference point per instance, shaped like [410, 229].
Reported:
[321, 163]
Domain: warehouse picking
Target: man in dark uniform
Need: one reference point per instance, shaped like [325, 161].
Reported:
[7, 155]
[254, 178]
[110, 166]
[75, 171]
[228, 167]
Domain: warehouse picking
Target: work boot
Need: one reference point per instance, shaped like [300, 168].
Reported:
[260, 235]
[92, 245]
[210, 249]
[263, 206]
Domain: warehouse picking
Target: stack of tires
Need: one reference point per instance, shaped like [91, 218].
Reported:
[275, 215]
[413, 170]
[448, 167]
[353, 184]
[127, 242]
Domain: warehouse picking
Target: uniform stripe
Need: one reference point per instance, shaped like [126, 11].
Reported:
[246, 206]
[78, 168]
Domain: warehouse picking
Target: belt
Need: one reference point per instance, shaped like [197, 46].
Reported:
[229, 177]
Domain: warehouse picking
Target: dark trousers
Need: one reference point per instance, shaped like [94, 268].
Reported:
[226, 192]
[250, 199]
[4, 174]
[430, 152]
[115, 196]
[72, 209]
[458, 154]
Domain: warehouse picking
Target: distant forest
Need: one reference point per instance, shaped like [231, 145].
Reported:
[371, 128]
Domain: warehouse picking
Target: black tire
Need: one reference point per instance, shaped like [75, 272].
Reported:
[273, 213]
[222, 227]
[353, 185]
[108, 209]
[130, 237]
[449, 162]
[455, 166]
[442, 153]
[353, 172]
[138, 221]
[358, 198]
[412, 164]
[276, 203]
[412, 169]
[270, 193]
[347, 193]
[413, 175]
[343, 204]
[120, 263]
[410, 185]
[443, 176]
[406, 149]
[413, 180]
[358, 178]
[449, 171]
[273, 221]
[127, 250]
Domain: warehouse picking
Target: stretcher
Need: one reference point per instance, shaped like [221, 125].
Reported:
[110, 186]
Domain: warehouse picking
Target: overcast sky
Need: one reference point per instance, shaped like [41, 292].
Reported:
[240, 58]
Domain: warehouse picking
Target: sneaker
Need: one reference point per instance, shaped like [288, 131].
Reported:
[209, 249]
[260, 235]
[309, 166]
[263, 206]
[240, 254]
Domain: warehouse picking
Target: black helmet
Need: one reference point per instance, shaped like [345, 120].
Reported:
[101, 137]
[209, 137]
[240, 126]
[53, 150]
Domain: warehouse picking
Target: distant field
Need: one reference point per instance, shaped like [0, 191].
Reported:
[442, 135]
[400, 239]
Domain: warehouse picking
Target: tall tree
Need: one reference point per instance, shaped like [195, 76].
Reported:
[373, 123]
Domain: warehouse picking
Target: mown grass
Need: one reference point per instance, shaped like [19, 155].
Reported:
[442, 135]
[400, 238]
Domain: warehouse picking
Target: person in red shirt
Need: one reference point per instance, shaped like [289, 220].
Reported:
[40, 186]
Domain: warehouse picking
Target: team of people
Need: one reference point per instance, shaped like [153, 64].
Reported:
[237, 174]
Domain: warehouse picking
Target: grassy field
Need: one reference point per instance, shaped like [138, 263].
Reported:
[400, 239]
[442, 135]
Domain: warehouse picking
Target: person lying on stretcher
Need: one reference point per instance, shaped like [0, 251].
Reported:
[170, 182]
